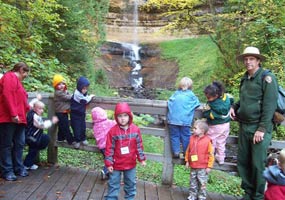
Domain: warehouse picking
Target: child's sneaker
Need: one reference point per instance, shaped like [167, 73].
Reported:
[76, 145]
[85, 143]
[103, 175]
[33, 167]
[190, 198]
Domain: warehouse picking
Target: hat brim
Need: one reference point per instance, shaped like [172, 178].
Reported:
[259, 56]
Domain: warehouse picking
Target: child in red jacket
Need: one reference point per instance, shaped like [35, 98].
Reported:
[275, 177]
[123, 147]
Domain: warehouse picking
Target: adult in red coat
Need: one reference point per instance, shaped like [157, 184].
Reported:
[13, 109]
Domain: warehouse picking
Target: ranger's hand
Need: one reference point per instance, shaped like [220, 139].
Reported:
[258, 137]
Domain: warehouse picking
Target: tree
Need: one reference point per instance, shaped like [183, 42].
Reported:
[51, 36]
[232, 27]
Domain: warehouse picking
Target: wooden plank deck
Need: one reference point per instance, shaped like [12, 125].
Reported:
[69, 183]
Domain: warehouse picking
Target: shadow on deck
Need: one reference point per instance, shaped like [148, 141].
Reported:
[66, 183]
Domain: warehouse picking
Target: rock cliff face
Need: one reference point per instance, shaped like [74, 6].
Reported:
[121, 24]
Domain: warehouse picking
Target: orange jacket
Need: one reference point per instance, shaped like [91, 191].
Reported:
[202, 147]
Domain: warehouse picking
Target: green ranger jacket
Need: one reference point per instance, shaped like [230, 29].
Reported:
[258, 99]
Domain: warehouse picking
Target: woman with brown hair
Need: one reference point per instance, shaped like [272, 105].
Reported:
[13, 108]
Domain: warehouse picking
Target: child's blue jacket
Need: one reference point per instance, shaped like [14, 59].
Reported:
[181, 107]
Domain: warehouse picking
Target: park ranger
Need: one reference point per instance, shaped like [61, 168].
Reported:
[254, 112]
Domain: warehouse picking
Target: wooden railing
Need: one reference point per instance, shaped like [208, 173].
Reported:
[141, 106]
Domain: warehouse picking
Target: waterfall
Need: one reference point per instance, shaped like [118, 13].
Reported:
[132, 53]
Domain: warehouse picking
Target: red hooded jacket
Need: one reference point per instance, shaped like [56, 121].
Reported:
[274, 192]
[13, 99]
[118, 138]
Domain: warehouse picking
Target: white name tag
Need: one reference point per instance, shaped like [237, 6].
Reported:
[125, 150]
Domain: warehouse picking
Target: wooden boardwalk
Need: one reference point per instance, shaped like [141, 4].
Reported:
[66, 183]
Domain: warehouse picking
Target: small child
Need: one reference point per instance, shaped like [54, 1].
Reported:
[123, 147]
[78, 104]
[62, 108]
[275, 177]
[218, 118]
[200, 157]
[101, 126]
[181, 110]
[35, 138]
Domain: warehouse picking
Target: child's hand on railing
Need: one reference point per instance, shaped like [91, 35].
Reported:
[39, 97]
[54, 119]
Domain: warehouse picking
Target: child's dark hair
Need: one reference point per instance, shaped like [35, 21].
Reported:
[214, 89]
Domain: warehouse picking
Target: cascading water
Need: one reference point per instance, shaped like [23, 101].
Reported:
[134, 55]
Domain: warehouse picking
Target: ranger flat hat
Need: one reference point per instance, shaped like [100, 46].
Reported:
[251, 51]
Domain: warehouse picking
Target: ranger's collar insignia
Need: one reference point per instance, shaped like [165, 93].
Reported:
[268, 79]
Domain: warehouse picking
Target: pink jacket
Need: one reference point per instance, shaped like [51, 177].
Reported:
[101, 126]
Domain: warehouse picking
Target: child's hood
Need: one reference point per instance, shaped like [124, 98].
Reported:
[82, 82]
[274, 175]
[123, 108]
[98, 114]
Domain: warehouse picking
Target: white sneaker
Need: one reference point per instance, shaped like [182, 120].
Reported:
[85, 142]
[190, 198]
[76, 145]
[33, 167]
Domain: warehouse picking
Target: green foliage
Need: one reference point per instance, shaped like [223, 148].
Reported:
[151, 172]
[279, 133]
[100, 77]
[198, 66]
[153, 144]
[255, 23]
[143, 119]
[51, 37]
[221, 182]
[239, 24]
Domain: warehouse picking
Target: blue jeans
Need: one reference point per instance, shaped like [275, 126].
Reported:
[105, 169]
[179, 134]
[35, 148]
[12, 142]
[63, 128]
[129, 184]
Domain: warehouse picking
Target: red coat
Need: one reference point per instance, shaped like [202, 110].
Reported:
[13, 99]
[124, 147]
[274, 192]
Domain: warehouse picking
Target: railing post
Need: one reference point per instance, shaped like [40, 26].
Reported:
[167, 171]
[52, 149]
